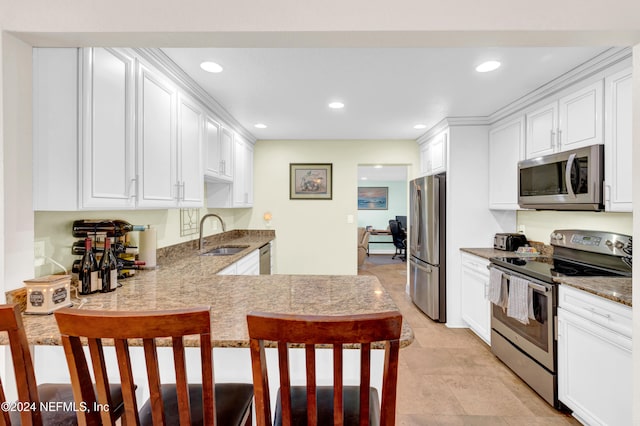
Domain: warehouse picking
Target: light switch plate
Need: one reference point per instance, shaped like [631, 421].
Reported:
[349, 218]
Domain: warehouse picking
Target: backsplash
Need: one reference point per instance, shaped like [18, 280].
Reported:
[539, 224]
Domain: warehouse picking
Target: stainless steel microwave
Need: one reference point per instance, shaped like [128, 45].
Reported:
[570, 180]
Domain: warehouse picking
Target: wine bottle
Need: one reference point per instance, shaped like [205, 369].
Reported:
[78, 248]
[108, 269]
[88, 274]
[113, 228]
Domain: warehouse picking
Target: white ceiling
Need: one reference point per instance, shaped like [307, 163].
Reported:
[386, 91]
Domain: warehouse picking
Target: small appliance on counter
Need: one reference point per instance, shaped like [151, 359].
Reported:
[509, 242]
[47, 294]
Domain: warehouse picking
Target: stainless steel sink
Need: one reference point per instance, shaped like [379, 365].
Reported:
[224, 251]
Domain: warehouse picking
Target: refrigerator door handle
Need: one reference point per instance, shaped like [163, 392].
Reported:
[423, 268]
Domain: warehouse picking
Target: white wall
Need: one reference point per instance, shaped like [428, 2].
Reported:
[469, 221]
[16, 131]
[313, 236]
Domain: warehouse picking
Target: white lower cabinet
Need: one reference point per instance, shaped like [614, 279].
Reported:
[594, 358]
[476, 308]
[248, 265]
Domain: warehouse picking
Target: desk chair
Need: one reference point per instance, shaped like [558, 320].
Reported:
[325, 405]
[399, 239]
[28, 391]
[170, 404]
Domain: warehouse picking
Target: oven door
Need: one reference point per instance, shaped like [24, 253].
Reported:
[537, 339]
[570, 180]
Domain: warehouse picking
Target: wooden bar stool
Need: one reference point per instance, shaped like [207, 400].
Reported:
[322, 405]
[28, 391]
[168, 404]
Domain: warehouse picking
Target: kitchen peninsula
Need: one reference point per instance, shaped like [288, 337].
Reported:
[185, 278]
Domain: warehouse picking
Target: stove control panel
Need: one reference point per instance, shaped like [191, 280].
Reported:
[593, 241]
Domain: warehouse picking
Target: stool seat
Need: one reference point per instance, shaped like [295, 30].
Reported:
[233, 403]
[64, 414]
[324, 395]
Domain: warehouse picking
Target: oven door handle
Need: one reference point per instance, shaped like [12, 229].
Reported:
[537, 287]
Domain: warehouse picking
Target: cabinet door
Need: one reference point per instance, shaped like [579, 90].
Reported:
[241, 176]
[213, 161]
[107, 146]
[580, 115]
[425, 159]
[190, 175]
[506, 143]
[618, 142]
[542, 127]
[226, 154]
[475, 306]
[156, 141]
[594, 366]
[438, 154]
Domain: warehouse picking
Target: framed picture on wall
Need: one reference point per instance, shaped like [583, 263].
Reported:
[310, 181]
[373, 198]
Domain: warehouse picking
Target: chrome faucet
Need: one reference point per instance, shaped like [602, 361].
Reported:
[202, 222]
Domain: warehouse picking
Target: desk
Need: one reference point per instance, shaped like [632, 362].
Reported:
[380, 232]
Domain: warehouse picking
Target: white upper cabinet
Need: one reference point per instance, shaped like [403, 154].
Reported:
[433, 155]
[107, 165]
[157, 163]
[243, 178]
[506, 145]
[219, 150]
[191, 130]
[618, 142]
[581, 118]
[113, 131]
[573, 121]
[542, 128]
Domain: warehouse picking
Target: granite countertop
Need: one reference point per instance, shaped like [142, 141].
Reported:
[612, 288]
[186, 279]
[488, 253]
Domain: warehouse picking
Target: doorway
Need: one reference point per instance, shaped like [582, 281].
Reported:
[382, 196]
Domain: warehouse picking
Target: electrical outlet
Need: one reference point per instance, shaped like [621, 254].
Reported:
[521, 229]
[215, 225]
[38, 249]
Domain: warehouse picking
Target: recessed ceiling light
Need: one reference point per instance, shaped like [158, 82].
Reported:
[336, 105]
[363, 178]
[260, 126]
[211, 67]
[420, 126]
[488, 66]
[377, 166]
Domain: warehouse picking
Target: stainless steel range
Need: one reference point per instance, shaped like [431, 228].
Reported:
[530, 350]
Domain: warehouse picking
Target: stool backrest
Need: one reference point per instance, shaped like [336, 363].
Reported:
[150, 329]
[11, 322]
[334, 331]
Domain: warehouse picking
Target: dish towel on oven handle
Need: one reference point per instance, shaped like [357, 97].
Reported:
[518, 305]
[497, 288]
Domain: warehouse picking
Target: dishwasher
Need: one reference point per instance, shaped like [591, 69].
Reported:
[265, 259]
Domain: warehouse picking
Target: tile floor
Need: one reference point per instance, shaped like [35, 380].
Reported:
[450, 377]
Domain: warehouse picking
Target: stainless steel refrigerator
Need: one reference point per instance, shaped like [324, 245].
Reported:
[427, 248]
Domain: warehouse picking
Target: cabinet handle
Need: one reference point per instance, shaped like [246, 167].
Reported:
[553, 139]
[222, 166]
[133, 187]
[559, 139]
[182, 191]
